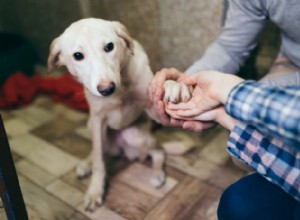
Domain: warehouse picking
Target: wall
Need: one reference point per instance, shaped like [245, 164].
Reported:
[39, 21]
[173, 32]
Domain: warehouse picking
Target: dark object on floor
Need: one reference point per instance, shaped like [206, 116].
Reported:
[10, 191]
[16, 54]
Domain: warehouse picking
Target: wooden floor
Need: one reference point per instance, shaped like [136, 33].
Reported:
[48, 140]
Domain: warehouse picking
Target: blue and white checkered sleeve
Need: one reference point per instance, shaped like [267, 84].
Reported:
[274, 111]
[276, 161]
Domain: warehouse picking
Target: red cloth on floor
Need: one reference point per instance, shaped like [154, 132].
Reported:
[20, 90]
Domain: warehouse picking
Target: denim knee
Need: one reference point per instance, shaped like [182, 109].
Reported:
[253, 197]
[233, 205]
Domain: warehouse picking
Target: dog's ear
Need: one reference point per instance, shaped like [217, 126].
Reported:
[122, 32]
[53, 58]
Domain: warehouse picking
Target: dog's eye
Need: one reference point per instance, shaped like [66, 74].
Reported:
[78, 56]
[109, 47]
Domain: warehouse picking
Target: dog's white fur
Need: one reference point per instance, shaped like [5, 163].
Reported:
[127, 67]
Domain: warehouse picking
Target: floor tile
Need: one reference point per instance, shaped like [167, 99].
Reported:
[128, 202]
[41, 205]
[43, 101]
[83, 131]
[139, 176]
[114, 165]
[74, 145]
[15, 127]
[201, 169]
[101, 213]
[65, 192]
[80, 184]
[48, 140]
[70, 114]
[2, 211]
[43, 154]
[16, 157]
[34, 173]
[215, 150]
[34, 116]
[79, 216]
[223, 177]
[206, 207]
[180, 202]
[56, 128]
[6, 114]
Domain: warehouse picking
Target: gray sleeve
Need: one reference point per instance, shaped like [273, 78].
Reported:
[288, 79]
[244, 20]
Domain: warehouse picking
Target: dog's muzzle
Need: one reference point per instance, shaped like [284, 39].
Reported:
[106, 89]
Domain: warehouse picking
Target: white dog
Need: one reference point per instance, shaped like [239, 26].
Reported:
[115, 72]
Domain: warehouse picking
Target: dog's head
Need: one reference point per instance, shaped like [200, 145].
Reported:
[94, 51]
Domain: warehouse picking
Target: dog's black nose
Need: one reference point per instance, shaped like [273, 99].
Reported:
[106, 89]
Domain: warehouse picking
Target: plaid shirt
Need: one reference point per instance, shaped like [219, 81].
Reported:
[268, 138]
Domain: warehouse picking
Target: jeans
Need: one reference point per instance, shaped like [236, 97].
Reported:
[254, 197]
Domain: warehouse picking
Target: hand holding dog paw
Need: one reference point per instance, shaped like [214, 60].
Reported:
[156, 94]
[211, 89]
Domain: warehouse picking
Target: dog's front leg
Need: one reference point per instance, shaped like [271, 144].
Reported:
[93, 197]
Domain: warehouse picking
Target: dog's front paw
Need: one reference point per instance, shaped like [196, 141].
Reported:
[83, 170]
[158, 179]
[176, 92]
[93, 198]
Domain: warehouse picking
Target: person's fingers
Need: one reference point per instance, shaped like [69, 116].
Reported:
[185, 109]
[181, 106]
[164, 74]
[191, 80]
[160, 78]
[175, 122]
[165, 118]
[190, 114]
[171, 113]
[160, 110]
[156, 82]
[198, 126]
[158, 94]
[149, 90]
[207, 116]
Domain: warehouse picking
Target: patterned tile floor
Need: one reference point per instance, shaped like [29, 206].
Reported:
[48, 139]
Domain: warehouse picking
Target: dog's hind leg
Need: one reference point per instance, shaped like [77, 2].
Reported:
[138, 143]
[158, 160]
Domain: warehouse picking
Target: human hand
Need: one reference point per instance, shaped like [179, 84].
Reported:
[198, 126]
[211, 89]
[156, 93]
[218, 115]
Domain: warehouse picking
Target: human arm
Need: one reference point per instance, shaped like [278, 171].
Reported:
[244, 21]
[268, 156]
[211, 89]
[274, 111]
